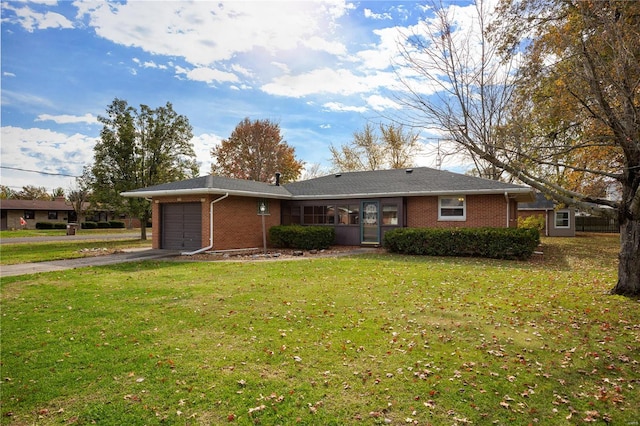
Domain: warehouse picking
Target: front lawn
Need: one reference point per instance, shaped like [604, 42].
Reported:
[11, 254]
[380, 339]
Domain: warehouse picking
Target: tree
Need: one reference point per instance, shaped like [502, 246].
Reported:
[139, 149]
[30, 192]
[57, 193]
[6, 192]
[393, 148]
[569, 115]
[79, 197]
[256, 151]
[457, 84]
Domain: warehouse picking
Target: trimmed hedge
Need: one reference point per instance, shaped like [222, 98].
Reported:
[302, 237]
[51, 225]
[496, 243]
[89, 225]
[116, 224]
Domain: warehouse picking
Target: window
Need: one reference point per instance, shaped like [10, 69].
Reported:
[318, 215]
[349, 214]
[53, 215]
[29, 214]
[562, 219]
[290, 215]
[452, 208]
[390, 215]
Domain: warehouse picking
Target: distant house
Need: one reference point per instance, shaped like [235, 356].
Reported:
[559, 222]
[52, 211]
[219, 213]
[33, 211]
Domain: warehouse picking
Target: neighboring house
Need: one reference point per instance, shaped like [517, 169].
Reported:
[219, 213]
[559, 222]
[56, 211]
[33, 211]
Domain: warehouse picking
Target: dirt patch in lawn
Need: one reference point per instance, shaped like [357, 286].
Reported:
[279, 254]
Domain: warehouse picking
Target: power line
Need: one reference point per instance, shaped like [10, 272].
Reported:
[38, 171]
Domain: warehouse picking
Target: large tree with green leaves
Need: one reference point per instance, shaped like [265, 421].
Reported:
[140, 148]
[392, 148]
[255, 151]
[567, 121]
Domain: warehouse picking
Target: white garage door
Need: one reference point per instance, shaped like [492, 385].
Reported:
[181, 226]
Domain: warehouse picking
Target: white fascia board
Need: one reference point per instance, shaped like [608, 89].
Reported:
[200, 191]
[515, 191]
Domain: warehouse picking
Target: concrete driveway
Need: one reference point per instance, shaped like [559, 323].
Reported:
[129, 255]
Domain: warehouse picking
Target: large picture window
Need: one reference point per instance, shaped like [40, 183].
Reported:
[562, 219]
[29, 214]
[349, 214]
[318, 215]
[452, 208]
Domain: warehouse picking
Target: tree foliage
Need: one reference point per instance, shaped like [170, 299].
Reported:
[566, 123]
[140, 148]
[256, 151]
[392, 148]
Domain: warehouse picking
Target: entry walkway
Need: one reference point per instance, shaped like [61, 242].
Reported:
[129, 255]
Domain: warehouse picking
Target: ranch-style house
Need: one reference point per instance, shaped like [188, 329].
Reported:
[219, 213]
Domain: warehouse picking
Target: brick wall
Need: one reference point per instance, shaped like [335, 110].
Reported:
[236, 222]
[482, 210]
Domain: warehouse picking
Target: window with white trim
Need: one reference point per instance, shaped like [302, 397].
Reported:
[562, 219]
[452, 208]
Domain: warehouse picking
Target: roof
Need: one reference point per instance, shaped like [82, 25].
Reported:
[13, 204]
[541, 203]
[212, 185]
[419, 181]
[400, 182]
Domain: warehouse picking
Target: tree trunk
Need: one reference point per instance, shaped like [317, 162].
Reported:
[629, 266]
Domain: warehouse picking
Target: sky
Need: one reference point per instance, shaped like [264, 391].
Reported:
[322, 70]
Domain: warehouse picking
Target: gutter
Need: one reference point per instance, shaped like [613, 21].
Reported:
[506, 197]
[210, 246]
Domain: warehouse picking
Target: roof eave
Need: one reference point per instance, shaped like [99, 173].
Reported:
[201, 191]
[521, 194]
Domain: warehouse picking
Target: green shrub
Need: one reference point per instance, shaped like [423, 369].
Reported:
[103, 225]
[59, 225]
[302, 237]
[89, 225]
[44, 225]
[116, 224]
[536, 221]
[497, 243]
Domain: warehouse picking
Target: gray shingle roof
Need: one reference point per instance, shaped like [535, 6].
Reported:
[398, 182]
[379, 183]
[212, 185]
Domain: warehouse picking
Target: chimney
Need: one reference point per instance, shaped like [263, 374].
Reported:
[277, 178]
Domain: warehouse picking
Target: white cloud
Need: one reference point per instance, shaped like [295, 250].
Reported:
[325, 80]
[8, 74]
[202, 145]
[67, 119]
[208, 75]
[206, 32]
[368, 13]
[381, 103]
[31, 20]
[339, 107]
[44, 150]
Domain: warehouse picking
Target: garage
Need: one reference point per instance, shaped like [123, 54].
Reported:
[181, 226]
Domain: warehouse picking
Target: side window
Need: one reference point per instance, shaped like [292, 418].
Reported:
[452, 208]
[562, 219]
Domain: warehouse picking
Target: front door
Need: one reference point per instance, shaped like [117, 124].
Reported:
[370, 223]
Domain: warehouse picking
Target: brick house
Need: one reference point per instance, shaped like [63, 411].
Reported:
[33, 211]
[219, 213]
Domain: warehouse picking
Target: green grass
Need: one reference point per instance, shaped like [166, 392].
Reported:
[21, 233]
[362, 340]
[11, 254]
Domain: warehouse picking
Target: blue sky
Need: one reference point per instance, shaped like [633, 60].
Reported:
[321, 69]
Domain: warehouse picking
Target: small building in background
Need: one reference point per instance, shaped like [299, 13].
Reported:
[558, 222]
